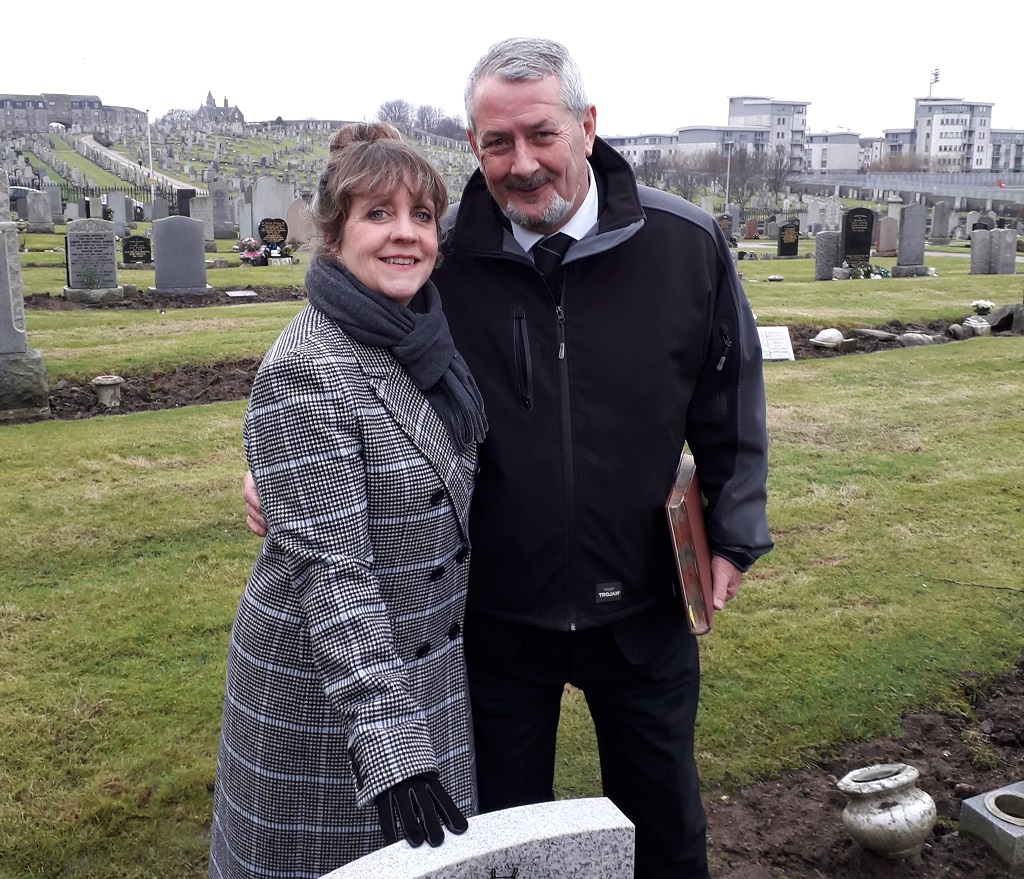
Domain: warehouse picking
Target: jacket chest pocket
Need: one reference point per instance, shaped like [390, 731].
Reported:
[523, 360]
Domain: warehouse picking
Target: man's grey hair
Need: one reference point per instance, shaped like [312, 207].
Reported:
[522, 58]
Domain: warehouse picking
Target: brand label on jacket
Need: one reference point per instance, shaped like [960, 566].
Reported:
[608, 592]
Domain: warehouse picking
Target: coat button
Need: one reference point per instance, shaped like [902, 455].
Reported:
[437, 497]
[460, 556]
[423, 650]
[437, 573]
[453, 632]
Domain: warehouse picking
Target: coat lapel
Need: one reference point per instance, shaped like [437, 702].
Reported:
[418, 420]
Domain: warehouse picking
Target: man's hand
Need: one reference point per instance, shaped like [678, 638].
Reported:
[253, 514]
[725, 581]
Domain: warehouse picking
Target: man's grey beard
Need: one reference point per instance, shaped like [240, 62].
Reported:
[551, 219]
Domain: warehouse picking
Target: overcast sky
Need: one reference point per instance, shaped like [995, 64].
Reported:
[649, 67]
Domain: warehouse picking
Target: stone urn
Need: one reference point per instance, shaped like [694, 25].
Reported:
[108, 390]
[886, 812]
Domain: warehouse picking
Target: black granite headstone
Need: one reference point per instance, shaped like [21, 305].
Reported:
[136, 249]
[789, 239]
[184, 197]
[855, 239]
[273, 231]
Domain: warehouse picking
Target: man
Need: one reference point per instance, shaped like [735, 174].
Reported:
[593, 371]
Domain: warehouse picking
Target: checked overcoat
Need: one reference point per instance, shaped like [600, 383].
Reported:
[345, 670]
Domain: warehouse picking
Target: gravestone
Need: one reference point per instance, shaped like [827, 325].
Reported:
[910, 255]
[160, 209]
[91, 262]
[180, 258]
[38, 214]
[24, 388]
[300, 223]
[750, 229]
[567, 839]
[201, 208]
[855, 238]
[826, 255]
[813, 215]
[56, 204]
[788, 239]
[776, 343]
[940, 223]
[273, 231]
[972, 218]
[833, 214]
[895, 204]
[184, 197]
[245, 228]
[888, 236]
[1004, 251]
[707, 204]
[136, 250]
[983, 222]
[771, 228]
[993, 252]
[71, 212]
[981, 252]
[118, 212]
[223, 219]
[95, 207]
[270, 199]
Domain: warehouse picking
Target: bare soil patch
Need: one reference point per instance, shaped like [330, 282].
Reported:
[792, 827]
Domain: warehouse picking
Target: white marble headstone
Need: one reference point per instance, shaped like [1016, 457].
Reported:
[567, 839]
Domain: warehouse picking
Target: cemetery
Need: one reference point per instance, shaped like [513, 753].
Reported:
[884, 628]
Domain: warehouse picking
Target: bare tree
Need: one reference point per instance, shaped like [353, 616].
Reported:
[746, 175]
[648, 171]
[398, 112]
[778, 169]
[682, 176]
[712, 163]
[428, 117]
[451, 126]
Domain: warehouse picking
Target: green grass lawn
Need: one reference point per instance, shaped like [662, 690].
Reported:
[896, 499]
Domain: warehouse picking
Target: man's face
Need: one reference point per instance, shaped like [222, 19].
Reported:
[532, 151]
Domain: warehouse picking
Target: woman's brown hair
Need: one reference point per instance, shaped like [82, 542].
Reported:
[370, 158]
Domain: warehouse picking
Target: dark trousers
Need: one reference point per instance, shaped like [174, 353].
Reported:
[641, 681]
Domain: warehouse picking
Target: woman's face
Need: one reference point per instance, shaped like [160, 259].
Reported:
[389, 242]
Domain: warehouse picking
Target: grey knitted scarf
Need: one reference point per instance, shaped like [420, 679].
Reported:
[420, 341]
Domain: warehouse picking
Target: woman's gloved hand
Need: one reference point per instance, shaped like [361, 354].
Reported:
[423, 805]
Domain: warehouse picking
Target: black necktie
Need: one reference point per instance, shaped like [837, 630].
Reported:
[548, 252]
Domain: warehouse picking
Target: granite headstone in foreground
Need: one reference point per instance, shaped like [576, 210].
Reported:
[92, 262]
[180, 256]
[568, 839]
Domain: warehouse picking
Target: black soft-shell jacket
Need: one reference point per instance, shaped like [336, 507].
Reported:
[592, 381]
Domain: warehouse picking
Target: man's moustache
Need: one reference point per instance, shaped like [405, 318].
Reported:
[530, 183]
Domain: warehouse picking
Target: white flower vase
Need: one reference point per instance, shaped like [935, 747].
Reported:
[886, 812]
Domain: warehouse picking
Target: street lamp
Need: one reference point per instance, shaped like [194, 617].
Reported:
[728, 167]
[152, 176]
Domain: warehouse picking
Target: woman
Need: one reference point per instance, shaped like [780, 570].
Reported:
[346, 687]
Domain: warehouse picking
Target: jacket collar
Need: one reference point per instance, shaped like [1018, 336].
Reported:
[417, 419]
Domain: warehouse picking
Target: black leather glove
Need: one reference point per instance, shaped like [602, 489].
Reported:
[423, 805]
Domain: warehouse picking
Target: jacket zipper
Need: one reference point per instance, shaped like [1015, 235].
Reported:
[568, 460]
[524, 363]
[726, 346]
